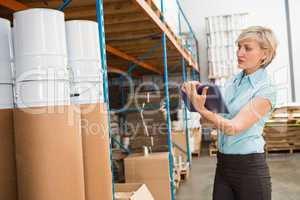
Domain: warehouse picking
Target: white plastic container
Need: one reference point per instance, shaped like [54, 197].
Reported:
[192, 144]
[83, 50]
[42, 93]
[6, 52]
[126, 142]
[39, 43]
[87, 93]
[6, 96]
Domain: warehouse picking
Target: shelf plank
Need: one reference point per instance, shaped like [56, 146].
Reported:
[13, 5]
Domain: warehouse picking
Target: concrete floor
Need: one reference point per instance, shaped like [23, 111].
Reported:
[285, 173]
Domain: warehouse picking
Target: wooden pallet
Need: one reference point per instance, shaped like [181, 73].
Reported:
[177, 179]
[278, 149]
[185, 172]
[196, 154]
[212, 150]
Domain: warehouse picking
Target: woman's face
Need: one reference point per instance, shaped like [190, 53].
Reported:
[250, 55]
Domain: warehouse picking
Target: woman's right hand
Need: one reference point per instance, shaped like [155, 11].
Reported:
[188, 84]
[198, 101]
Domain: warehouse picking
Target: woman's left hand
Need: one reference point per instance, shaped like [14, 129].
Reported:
[198, 101]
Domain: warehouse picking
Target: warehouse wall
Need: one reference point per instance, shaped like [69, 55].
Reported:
[269, 13]
[294, 6]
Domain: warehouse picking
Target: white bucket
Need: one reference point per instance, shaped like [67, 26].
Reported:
[83, 71]
[6, 96]
[39, 42]
[6, 52]
[87, 93]
[83, 50]
[192, 144]
[126, 142]
[42, 93]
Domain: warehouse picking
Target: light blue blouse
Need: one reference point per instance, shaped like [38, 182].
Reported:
[237, 92]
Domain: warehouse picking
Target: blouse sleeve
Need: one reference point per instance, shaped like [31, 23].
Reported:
[267, 92]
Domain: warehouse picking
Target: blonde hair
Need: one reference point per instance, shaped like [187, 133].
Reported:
[265, 38]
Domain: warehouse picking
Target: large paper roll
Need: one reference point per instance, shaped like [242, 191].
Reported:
[49, 153]
[8, 181]
[96, 152]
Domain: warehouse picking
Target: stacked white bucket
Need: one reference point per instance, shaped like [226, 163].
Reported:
[84, 62]
[42, 77]
[6, 56]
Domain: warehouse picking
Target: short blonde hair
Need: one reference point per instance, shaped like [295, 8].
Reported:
[265, 38]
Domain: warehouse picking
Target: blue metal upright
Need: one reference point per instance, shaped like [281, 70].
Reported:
[184, 78]
[100, 19]
[193, 75]
[64, 5]
[187, 135]
[166, 88]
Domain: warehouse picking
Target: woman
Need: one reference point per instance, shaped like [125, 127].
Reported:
[242, 172]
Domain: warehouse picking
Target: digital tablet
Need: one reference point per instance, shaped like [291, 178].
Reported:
[214, 99]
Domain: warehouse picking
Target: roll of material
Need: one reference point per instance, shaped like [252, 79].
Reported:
[49, 153]
[40, 44]
[6, 96]
[96, 154]
[87, 93]
[42, 93]
[83, 50]
[8, 180]
[6, 52]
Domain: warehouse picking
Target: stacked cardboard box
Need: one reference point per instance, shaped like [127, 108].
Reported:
[282, 130]
[213, 146]
[179, 145]
[118, 165]
[152, 132]
[154, 119]
[153, 170]
[114, 124]
[132, 191]
[196, 138]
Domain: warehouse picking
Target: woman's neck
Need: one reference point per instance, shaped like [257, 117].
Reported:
[250, 71]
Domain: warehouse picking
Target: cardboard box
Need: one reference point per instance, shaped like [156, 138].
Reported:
[96, 152]
[153, 170]
[132, 191]
[49, 153]
[179, 140]
[197, 137]
[8, 180]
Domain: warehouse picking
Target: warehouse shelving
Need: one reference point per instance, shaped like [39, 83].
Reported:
[131, 28]
[134, 38]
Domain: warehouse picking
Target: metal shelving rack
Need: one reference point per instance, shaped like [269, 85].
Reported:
[99, 12]
[134, 38]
